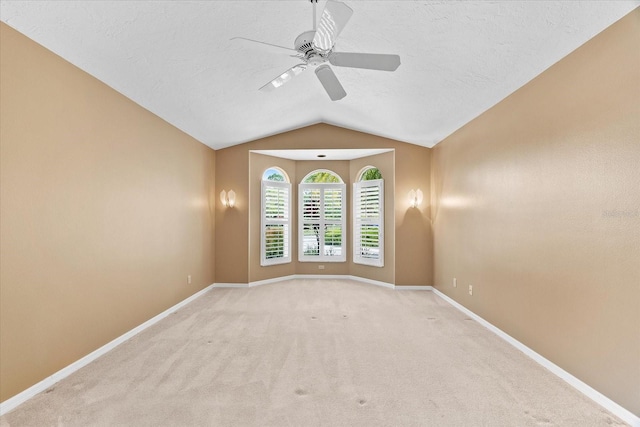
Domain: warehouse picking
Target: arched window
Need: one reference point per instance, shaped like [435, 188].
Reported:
[321, 219]
[322, 176]
[368, 218]
[275, 174]
[369, 173]
[275, 239]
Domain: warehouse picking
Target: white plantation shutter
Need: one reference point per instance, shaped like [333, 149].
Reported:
[275, 241]
[368, 222]
[322, 222]
[309, 221]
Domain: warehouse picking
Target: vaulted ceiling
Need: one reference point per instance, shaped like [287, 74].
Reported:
[177, 59]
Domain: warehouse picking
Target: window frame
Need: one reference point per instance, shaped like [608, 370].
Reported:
[265, 222]
[359, 220]
[322, 187]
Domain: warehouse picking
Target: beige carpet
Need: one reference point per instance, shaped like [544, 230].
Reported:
[310, 353]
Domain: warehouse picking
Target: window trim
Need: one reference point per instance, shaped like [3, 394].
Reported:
[264, 222]
[358, 221]
[343, 222]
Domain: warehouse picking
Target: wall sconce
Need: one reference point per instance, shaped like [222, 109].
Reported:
[228, 199]
[415, 198]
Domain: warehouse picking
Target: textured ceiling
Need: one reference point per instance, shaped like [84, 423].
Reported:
[176, 59]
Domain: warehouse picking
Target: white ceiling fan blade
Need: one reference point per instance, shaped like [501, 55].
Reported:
[330, 82]
[369, 61]
[333, 20]
[284, 77]
[269, 46]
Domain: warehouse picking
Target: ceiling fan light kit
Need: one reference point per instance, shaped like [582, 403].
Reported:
[315, 48]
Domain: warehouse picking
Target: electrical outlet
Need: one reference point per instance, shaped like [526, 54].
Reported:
[470, 289]
[321, 267]
[189, 279]
[455, 282]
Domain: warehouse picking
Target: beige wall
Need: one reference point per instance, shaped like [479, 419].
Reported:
[536, 203]
[104, 211]
[414, 233]
[412, 226]
[232, 224]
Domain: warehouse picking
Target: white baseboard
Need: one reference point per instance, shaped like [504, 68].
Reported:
[602, 400]
[345, 277]
[11, 403]
[279, 279]
[372, 282]
[230, 285]
[322, 276]
[364, 280]
[274, 280]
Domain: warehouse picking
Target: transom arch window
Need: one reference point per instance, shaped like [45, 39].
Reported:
[275, 238]
[369, 173]
[275, 174]
[322, 217]
[368, 218]
[322, 176]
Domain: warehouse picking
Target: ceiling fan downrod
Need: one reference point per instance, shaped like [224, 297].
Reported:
[314, 3]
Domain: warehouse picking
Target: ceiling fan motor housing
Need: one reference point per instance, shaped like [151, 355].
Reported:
[304, 45]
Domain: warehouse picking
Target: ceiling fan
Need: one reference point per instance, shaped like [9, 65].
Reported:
[315, 48]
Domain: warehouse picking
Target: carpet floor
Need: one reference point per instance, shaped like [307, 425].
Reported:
[313, 353]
